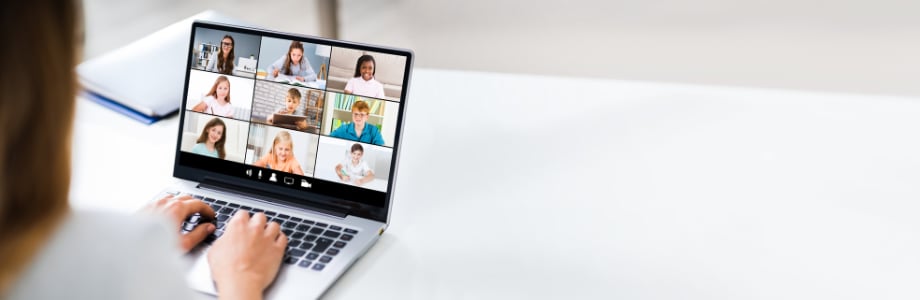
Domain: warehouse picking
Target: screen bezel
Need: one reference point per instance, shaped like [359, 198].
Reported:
[290, 196]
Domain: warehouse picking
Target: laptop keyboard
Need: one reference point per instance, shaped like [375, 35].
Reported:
[311, 244]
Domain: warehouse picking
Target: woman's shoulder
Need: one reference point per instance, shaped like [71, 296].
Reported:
[90, 250]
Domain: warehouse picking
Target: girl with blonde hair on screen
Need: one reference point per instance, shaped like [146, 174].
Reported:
[280, 156]
[217, 100]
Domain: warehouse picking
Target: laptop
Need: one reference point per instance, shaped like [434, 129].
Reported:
[330, 219]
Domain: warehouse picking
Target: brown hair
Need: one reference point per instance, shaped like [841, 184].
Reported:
[225, 66]
[36, 122]
[213, 91]
[287, 59]
[219, 145]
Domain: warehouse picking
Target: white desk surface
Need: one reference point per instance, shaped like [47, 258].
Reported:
[514, 186]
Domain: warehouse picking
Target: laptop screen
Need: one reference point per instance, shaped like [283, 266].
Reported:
[294, 114]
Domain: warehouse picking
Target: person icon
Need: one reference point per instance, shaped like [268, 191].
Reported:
[273, 178]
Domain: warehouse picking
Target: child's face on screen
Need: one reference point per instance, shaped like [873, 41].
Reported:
[291, 103]
[367, 70]
[359, 117]
[296, 55]
[283, 151]
[356, 156]
[215, 133]
[223, 89]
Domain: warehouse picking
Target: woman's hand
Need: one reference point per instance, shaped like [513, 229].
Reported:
[246, 258]
[177, 209]
[299, 78]
[275, 73]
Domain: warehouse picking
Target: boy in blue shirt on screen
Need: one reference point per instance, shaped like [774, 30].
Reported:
[358, 130]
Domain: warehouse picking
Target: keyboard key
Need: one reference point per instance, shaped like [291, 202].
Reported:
[257, 210]
[309, 222]
[310, 238]
[298, 235]
[234, 205]
[293, 243]
[208, 200]
[296, 253]
[276, 220]
[302, 227]
[321, 224]
[339, 244]
[318, 267]
[222, 217]
[290, 260]
[325, 259]
[289, 225]
[199, 197]
[332, 251]
[221, 225]
[304, 264]
[296, 219]
[284, 216]
[188, 226]
[194, 218]
[322, 244]
[331, 234]
[347, 237]
[333, 227]
[220, 202]
[352, 231]
[227, 210]
[218, 233]
[316, 230]
[246, 207]
[312, 256]
[287, 232]
[270, 213]
[305, 246]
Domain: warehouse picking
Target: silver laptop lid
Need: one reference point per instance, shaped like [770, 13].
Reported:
[341, 158]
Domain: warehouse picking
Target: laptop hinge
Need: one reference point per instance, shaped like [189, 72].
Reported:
[323, 208]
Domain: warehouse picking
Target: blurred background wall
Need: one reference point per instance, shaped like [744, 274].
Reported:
[870, 47]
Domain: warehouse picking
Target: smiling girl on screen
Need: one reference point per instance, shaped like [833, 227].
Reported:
[217, 101]
[364, 83]
[281, 155]
[212, 139]
[224, 62]
[293, 64]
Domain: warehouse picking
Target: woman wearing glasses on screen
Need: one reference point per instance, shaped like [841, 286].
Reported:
[223, 63]
[48, 250]
[293, 65]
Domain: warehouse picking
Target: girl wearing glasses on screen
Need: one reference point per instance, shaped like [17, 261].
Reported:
[364, 83]
[212, 139]
[224, 62]
[217, 101]
[293, 64]
[281, 155]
